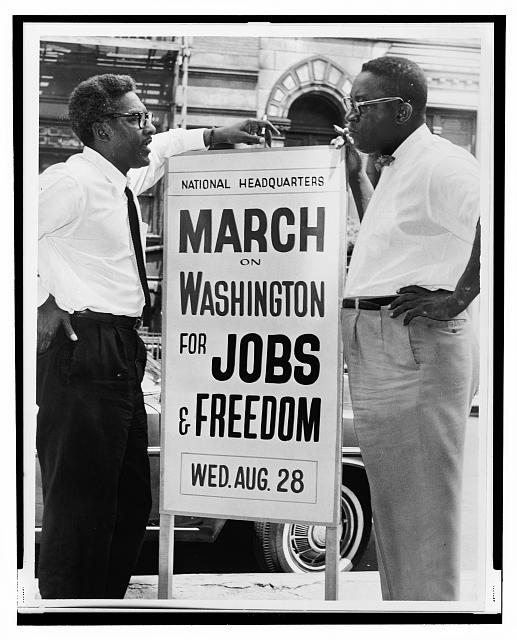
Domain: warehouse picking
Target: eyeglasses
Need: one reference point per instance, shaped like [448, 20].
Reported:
[358, 107]
[141, 117]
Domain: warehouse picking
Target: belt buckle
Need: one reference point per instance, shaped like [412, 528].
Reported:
[356, 303]
[138, 324]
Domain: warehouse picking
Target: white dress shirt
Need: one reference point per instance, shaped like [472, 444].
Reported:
[85, 253]
[420, 223]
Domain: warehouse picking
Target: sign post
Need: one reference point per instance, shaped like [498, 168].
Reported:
[252, 374]
[166, 556]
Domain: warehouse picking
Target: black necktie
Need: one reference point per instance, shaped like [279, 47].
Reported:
[134, 226]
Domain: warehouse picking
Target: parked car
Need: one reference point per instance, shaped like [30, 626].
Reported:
[279, 547]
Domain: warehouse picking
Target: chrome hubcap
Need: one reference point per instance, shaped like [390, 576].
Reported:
[304, 545]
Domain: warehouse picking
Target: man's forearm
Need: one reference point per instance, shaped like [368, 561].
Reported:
[362, 190]
[468, 285]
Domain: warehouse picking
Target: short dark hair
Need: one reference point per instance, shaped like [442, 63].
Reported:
[94, 97]
[400, 77]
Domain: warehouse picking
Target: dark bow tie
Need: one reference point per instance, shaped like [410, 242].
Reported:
[383, 161]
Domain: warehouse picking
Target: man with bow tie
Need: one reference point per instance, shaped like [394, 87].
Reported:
[407, 321]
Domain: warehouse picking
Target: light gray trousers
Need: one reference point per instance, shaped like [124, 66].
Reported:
[411, 389]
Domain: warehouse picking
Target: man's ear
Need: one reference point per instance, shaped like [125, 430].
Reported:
[101, 131]
[404, 113]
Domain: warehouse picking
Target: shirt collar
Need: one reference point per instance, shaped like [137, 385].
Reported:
[108, 169]
[412, 140]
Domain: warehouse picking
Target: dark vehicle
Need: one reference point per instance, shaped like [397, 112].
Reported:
[279, 547]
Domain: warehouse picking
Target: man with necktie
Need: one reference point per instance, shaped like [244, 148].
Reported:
[409, 338]
[92, 293]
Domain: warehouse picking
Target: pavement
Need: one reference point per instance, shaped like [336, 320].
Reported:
[356, 585]
[357, 591]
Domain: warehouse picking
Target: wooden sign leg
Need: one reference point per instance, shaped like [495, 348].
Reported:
[332, 558]
[166, 556]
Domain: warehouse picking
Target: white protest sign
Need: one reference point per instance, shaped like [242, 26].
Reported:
[252, 368]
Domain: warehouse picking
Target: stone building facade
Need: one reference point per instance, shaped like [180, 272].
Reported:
[299, 82]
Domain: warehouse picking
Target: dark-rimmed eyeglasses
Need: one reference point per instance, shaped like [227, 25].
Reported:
[359, 106]
[140, 117]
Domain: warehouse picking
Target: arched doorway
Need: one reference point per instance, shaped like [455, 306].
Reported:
[312, 116]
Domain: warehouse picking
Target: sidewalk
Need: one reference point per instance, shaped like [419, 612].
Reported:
[356, 585]
[353, 586]
[227, 591]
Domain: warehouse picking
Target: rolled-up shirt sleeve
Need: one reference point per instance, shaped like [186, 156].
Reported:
[163, 146]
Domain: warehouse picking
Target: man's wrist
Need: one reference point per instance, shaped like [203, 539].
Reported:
[464, 294]
[50, 304]
[456, 304]
[209, 137]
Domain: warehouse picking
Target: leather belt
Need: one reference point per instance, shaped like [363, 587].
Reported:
[126, 322]
[370, 304]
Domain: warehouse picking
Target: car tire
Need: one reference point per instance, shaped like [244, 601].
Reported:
[300, 548]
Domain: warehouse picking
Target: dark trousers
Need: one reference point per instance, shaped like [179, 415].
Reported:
[92, 449]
